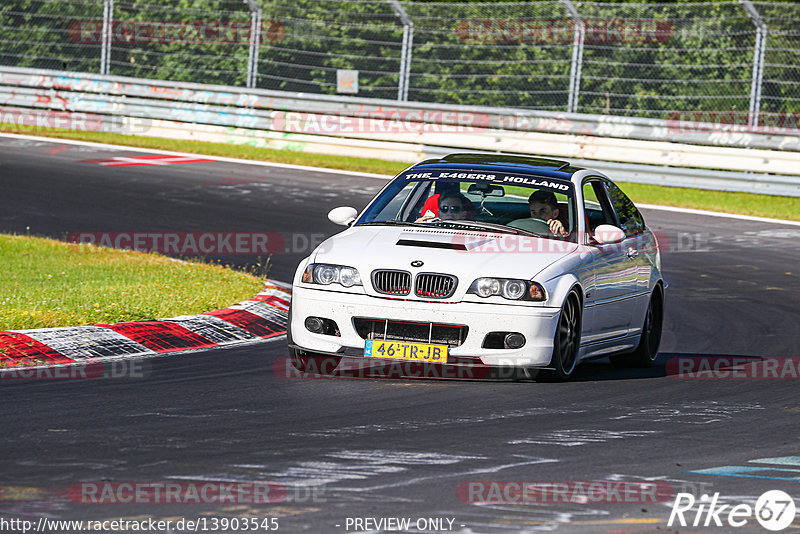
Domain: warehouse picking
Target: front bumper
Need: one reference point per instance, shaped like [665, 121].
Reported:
[536, 323]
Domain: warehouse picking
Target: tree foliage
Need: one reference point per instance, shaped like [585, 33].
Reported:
[638, 58]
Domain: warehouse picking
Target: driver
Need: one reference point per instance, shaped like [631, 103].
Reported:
[543, 205]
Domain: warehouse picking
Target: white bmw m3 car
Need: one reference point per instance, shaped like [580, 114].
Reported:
[484, 260]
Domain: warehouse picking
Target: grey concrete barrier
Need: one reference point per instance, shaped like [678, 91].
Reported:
[724, 157]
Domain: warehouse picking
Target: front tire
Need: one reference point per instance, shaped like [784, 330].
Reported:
[567, 341]
[306, 362]
[646, 352]
[313, 363]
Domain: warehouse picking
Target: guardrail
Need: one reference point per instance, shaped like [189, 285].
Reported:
[630, 149]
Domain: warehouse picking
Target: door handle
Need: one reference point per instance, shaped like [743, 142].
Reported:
[632, 253]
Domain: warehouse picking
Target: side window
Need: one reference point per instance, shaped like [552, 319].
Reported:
[397, 204]
[630, 220]
[596, 206]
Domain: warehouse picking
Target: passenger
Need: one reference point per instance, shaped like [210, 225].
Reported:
[451, 207]
[456, 207]
[431, 207]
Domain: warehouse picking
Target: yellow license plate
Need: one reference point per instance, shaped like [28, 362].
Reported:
[404, 350]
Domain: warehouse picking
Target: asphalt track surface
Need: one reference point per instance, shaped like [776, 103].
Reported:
[357, 448]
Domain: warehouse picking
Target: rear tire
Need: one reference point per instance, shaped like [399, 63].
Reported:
[566, 342]
[646, 352]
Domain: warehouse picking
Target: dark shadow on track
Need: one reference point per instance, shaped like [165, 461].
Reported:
[684, 366]
[679, 366]
[360, 368]
[601, 370]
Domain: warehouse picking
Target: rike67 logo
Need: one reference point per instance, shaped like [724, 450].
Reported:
[774, 510]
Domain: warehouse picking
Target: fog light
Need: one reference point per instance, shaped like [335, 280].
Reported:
[320, 325]
[514, 341]
[314, 324]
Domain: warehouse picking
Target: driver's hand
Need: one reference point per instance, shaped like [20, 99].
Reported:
[556, 227]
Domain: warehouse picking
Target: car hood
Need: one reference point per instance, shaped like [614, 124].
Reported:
[465, 254]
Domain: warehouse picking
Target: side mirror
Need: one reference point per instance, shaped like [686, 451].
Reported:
[343, 215]
[606, 234]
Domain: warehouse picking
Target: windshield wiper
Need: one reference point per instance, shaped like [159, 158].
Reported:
[488, 226]
[456, 224]
[392, 223]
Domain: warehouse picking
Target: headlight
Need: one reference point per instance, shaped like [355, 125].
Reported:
[349, 277]
[326, 274]
[508, 288]
[486, 287]
[321, 273]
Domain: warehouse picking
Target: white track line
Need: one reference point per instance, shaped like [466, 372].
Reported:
[194, 155]
[362, 174]
[717, 214]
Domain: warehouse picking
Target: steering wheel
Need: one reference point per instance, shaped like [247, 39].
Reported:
[532, 224]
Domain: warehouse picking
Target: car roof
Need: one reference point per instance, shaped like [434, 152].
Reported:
[552, 168]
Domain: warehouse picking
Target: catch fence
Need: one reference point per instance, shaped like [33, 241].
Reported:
[730, 62]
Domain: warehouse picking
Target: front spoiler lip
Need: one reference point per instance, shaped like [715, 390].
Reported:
[355, 353]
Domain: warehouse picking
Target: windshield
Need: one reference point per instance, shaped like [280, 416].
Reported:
[492, 201]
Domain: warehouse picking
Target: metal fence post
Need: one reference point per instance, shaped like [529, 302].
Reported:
[105, 44]
[577, 56]
[255, 42]
[758, 62]
[405, 52]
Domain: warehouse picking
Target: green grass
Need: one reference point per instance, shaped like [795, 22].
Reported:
[47, 283]
[743, 203]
